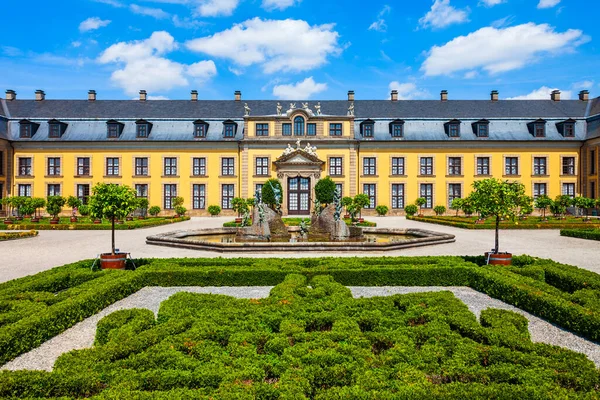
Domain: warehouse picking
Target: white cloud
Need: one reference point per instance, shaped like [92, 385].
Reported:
[213, 8]
[547, 3]
[92, 23]
[277, 4]
[149, 97]
[236, 71]
[113, 3]
[299, 90]
[588, 84]
[11, 51]
[503, 22]
[500, 50]
[276, 45]
[543, 93]
[142, 65]
[186, 23]
[491, 3]
[148, 11]
[471, 74]
[379, 26]
[408, 90]
[76, 44]
[442, 14]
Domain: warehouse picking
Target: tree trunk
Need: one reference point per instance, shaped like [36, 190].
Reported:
[496, 247]
[113, 236]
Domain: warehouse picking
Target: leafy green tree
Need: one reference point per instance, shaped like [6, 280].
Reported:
[561, 203]
[84, 210]
[73, 202]
[439, 210]
[180, 210]
[154, 211]
[542, 203]
[325, 190]
[346, 201]
[420, 202]
[267, 194]
[17, 203]
[38, 202]
[239, 205]
[457, 205]
[54, 205]
[467, 206]
[143, 204]
[361, 201]
[113, 202]
[28, 207]
[499, 199]
[584, 203]
[411, 209]
[526, 205]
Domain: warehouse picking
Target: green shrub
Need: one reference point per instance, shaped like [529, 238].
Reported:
[54, 205]
[382, 210]
[268, 195]
[214, 210]
[411, 209]
[439, 210]
[590, 234]
[180, 210]
[154, 211]
[84, 210]
[324, 190]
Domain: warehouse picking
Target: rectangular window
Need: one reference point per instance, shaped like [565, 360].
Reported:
[426, 192]
[142, 131]
[369, 166]
[25, 190]
[170, 192]
[511, 166]
[141, 191]
[397, 130]
[592, 190]
[568, 189]
[483, 166]
[141, 166]
[262, 129]
[426, 166]
[259, 187]
[454, 166]
[227, 167]
[592, 162]
[370, 189]
[335, 129]
[54, 166]
[540, 130]
[335, 166]
[286, 129]
[454, 192]
[397, 195]
[113, 131]
[200, 130]
[83, 166]
[262, 166]
[229, 130]
[112, 166]
[53, 190]
[227, 194]
[199, 166]
[54, 131]
[25, 131]
[311, 129]
[568, 166]
[170, 166]
[454, 130]
[83, 193]
[482, 130]
[539, 189]
[569, 130]
[368, 130]
[25, 166]
[539, 166]
[199, 196]
[397, 166]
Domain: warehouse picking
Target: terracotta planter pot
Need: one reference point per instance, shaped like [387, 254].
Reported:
[73, 219]
[141, 217]
[361, 220]
[499, 259]
[54, 221]
[19, 218]
[97, 221]
[35, 220]
[238, 220]
[346, 216]
[129, 219]
[8, 221]
[113, 261]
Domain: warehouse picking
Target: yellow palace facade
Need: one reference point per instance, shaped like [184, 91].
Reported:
[209, 152]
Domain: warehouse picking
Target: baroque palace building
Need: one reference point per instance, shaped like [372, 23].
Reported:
[209, 152]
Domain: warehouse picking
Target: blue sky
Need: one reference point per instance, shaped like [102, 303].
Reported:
[300, 49]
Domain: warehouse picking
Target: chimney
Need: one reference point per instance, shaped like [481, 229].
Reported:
[143, 95]
[494, 95]
[584, 95]
[11, 95]
[92, 95]
[394, 95]
[194, 95]
[350, 95]
[555, 96]
[444, 95]
[238, 95]
[40, 95]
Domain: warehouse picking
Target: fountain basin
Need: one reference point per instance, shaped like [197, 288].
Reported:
[224, 240]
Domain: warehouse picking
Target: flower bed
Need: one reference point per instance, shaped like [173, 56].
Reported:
[88, 224]
[312, 342]
[528, 223]
[17, 235]
[590, 234]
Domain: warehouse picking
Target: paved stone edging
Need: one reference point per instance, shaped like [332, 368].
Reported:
[82, 334]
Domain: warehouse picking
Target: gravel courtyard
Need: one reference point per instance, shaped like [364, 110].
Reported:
[55, 248]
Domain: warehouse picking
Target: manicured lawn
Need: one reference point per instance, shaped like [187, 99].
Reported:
[291, 221]
[88, 224]
[17, 235]
[305, 341]
[532, 222]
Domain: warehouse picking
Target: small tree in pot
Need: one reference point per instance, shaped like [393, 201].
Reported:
[17, 203]
[28, 208]
[439, 210]
[154, 211]
[74, 203]
[37, 203]
[542, 203]
[54, 205]
[346, 202]
[142, 205]
[7, 204]
[361, 201]
[499, 199]
[240, 206]
[113, 202]
[382, 210]
[420, 202]
[457, 205]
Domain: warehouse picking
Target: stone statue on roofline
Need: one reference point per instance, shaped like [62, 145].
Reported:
[279, 109]
[305, 107]
[351, 109]
[318, 108]
[246, 110]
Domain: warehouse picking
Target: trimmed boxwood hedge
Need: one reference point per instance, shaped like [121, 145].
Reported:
[17, 235]
[590, 234]
[529, 223]
[135, 224]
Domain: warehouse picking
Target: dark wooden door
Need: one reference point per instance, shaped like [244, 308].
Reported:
[299, 196]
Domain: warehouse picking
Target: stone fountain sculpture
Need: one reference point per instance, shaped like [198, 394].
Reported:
[328, 222]
[267, 223]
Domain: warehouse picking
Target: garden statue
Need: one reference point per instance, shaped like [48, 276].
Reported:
[305, 107]
[246, 221]
[303, 227]
[277, 194]
[257, 197]
[317, 207]
[279, 108]
[318, 108]
[292, 106]
[246, 110]
[351, 109]
[298, 144]
[337, 201]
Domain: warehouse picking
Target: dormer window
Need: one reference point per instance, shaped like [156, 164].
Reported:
[452, 128]
[114, 129]
[367, 128]
[27, 128]
[397, 128]
[537, 128]
[143, 129]
[229, 129]
[566, 128]
[481, 128]
[56, 128]
[200, 129]
[298, 126]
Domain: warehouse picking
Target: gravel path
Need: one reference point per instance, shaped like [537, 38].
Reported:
[82, 334]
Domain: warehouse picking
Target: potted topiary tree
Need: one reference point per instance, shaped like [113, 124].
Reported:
[142, 205]
[74, 203]
[178, 205]
[325, 190]
[542, 202]
[154, 211]
[420, 202]
[526, 207]
[17, 204]
[113, 202]
[411, 210]
[361, 201]
[37, 203]
[214, 210]
[498, 199]
[84, 210]
[346, 202]
[382, 210]
[457, 205]
[439, 210]
[239, 206]
[562, 201]
[54, 205]
[180, 210]
[28, 208]
[584, 204]
[467, 206]
[7, 204]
